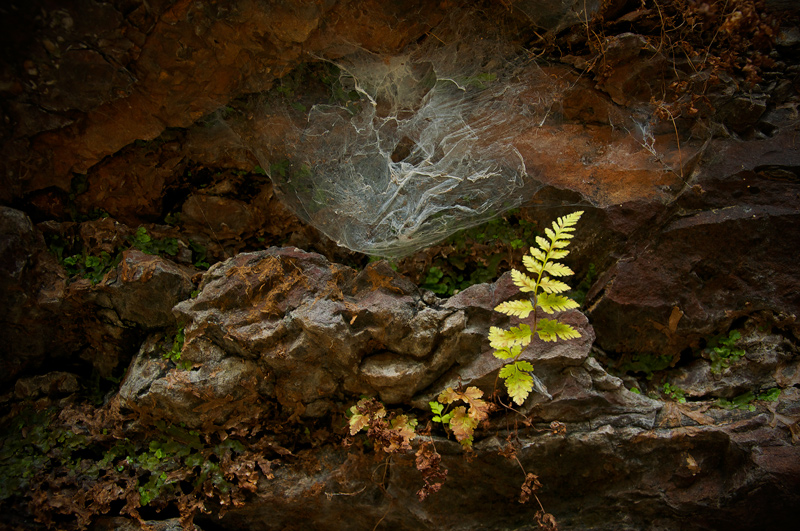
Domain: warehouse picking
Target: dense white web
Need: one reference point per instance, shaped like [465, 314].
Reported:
[423, 146]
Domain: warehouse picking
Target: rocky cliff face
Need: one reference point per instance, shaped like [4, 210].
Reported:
[181, 347]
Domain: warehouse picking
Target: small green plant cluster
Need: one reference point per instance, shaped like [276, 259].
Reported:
[26, 448]
[462, 267]
[461, 420]
[745, 401]
[199, 255]
[179, 452]
[142, 241]
[675, 393]
[545, 293]
[722, 351]
[646, 363]
[95, 267]
[169, 465]
[173, 346]
[90, 267]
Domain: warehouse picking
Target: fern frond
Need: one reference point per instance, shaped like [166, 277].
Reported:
[550, 302]
[558, 270]
[565, 222]
[544, 245]
[519, 309]
[532, 265]
[523, 281]
[553, 286]
[499, 338]
[538, 254]
[518, 382]
[558, 254]
[551, 330]
[507, 353]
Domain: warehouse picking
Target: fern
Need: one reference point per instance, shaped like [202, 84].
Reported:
[544, 290]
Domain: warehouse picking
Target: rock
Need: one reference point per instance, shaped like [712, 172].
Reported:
[127, 524]
[144, 288]
[770, 362]
[50, 384]
[691, 281]
[324, 333]
[556, 16]
[32, 287]
[742, 113]
[204, 396]
[224, 217]
[631, 78]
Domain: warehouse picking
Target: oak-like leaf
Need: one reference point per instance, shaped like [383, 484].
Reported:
[405, 428]
[551, 330]
[463, 425]
[519, 309]
[550, 302]
[499, 338]
[359, 420]
[448, 395]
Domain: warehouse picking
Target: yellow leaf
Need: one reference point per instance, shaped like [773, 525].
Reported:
[523, 281]
[550, 302]
[551, 330]
[553, 286]
[532, 265]
[519, 309]
[499, 338]
[544, 244]
[538, 254]
[558, 270]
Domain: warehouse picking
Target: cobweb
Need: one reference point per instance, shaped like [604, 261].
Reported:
[415, 147]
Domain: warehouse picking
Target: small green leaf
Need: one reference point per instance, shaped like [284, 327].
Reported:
[551, 330]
